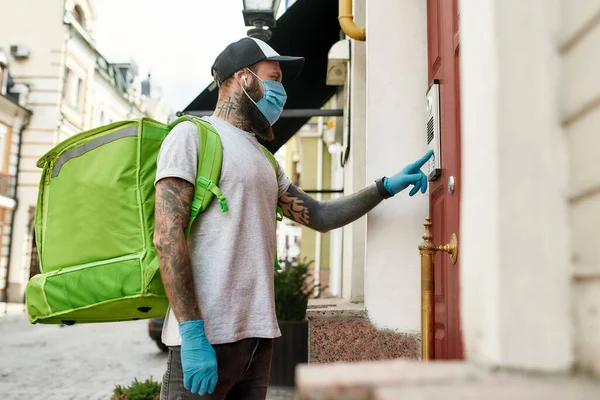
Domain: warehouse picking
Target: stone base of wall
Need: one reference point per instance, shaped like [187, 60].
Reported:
[340, 331]
[406, 379]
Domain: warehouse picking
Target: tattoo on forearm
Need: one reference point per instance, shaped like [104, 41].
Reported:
[295, 209]
[172, 209]
[326, 215]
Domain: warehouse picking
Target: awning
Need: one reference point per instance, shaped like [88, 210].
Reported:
[308, 28]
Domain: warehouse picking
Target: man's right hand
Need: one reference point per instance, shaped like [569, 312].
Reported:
[198, 358]
[410, 175]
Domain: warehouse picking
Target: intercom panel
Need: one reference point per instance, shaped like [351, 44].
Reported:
[433, 168]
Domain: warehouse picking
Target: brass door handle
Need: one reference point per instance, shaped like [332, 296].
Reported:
[428, 247]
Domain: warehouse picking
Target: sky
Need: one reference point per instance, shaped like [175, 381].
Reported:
[176, 40]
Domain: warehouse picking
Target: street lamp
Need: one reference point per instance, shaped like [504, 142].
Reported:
[261, 15]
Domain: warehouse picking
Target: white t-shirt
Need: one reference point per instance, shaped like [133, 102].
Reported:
[232, 253]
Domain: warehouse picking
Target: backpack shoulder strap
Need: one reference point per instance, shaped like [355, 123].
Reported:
[210, 159]
[271, 158]
[278, 210]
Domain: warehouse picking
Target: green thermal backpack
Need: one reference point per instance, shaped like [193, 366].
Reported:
[94, 222]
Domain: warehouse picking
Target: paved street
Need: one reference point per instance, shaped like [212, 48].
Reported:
[84, 362]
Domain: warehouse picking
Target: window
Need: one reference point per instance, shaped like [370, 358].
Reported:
[67, 85]
[74, 90]
[101, 120]
[3, 133]
[3, 71]
[295, 178]
[80, 94]
[79, 16]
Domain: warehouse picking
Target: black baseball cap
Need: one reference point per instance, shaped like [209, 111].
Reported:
[248, 51]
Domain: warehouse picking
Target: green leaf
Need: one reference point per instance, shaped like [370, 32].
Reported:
[292, 291]
[147, 390]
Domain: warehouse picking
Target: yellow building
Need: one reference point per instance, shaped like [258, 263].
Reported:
[308, 163]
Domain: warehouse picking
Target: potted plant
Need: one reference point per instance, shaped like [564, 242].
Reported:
[292, 291]
[147, 390]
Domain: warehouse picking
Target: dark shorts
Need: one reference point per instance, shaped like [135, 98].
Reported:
[244, 369]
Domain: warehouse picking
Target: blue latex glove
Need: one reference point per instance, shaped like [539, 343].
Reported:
[198, 358]
[410, 175]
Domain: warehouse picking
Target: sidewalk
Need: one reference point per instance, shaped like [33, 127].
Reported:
[279, 393]
[132, 338]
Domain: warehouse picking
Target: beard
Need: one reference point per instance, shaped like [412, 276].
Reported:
[255, 121]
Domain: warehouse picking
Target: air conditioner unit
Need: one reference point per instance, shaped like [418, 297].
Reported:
[337, 63]
[20, 91]
[19, 51]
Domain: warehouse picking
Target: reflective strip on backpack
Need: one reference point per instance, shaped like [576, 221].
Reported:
[130, 131]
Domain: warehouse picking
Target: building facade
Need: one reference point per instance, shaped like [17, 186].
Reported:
[518, 188]
[314, 161]
[14, 118]
[70, 87]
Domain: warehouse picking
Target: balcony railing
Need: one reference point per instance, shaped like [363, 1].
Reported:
[7, 185]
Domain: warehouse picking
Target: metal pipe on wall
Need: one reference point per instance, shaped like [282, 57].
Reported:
[427, 253]
[319, 238]
[347, 22]
[14, 211]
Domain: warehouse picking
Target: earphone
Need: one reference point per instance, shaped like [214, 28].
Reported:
[244, 78]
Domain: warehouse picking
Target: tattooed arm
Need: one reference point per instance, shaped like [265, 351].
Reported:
[324, 216]
[172, 212]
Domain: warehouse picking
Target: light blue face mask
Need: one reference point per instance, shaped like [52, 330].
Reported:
[274, 98]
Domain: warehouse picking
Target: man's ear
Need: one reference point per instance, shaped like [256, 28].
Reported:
[240, 77]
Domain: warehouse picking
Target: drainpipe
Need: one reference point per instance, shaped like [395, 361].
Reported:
[347, 22]
[319, 238]
[14, 211]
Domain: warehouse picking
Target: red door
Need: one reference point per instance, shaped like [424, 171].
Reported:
[443, 65]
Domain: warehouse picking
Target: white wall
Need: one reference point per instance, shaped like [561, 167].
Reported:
[515, 292]
[396, 87]
[18, 20]
[580, 110]
[354, 235]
